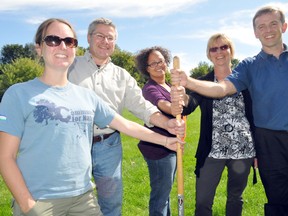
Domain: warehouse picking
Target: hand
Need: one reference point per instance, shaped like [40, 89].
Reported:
[29, 205]
[177, 99]
[171, 143]
[178, 77]
[177, 127]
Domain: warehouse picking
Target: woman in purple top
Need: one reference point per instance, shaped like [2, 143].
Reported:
[152, 63]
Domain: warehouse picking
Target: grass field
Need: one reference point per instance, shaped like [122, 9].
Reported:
[136, 181]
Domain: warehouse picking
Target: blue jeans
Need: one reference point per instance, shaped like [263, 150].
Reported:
[107, 173]
[162, 174]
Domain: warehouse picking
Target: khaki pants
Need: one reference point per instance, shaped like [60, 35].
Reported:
[85, 204]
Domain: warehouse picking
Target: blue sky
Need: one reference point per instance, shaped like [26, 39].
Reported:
[182, 26]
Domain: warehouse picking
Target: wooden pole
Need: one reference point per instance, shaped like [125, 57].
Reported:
[180, 179]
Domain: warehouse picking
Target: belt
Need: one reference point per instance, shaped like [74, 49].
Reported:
[99, 138]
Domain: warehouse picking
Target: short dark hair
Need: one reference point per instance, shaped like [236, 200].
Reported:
[266, 10]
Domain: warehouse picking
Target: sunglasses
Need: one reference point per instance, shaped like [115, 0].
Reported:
[215, 49]
[54, 41]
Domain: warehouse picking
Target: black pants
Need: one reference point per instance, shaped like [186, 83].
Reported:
[207, 182]
[272, 154]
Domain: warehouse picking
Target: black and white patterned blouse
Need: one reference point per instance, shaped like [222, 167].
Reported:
[231, 135]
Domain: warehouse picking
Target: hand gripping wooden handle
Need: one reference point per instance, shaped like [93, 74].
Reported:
[180, 180]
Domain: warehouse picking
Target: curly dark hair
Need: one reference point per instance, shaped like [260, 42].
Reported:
[141, 58]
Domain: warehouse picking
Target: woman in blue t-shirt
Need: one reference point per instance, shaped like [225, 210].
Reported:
[46, 129]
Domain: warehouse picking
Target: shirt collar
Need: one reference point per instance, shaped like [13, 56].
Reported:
[89, 58]
[265, 55]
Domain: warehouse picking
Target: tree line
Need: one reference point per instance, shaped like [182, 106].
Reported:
[20, 63]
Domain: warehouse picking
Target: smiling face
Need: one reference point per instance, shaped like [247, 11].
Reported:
[102, 43]
[268, 28]
[57, 57]
[157, 66]
[220, 53]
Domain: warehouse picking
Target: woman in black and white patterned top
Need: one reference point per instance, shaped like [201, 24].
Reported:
[225, 137]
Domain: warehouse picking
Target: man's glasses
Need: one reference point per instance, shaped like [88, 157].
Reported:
[54, 41]
[215, 49]
[102, 37]
[155, 64]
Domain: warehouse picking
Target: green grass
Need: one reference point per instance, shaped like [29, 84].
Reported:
[5, 200]
[136, 181]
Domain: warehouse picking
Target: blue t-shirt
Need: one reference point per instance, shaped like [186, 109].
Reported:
[266, 78]
[55, 126]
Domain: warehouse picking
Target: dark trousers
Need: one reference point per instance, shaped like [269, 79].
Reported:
[207, 182]
[272, 154]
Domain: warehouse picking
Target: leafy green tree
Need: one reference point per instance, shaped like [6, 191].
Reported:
[235, 62]
[123, 59]
[13, 70]
[11, 52]
[126, 60]
[80, 51]
[19, 70]
[202, 69]
[29, 51]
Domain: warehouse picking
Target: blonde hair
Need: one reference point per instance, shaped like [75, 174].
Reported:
[226, 40]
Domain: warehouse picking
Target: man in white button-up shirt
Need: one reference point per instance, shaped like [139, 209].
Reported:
[119, 89]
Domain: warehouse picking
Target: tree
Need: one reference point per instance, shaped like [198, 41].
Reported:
[202, 69]
[123, 59]
[80, 51]
[19, 70]
[29, 51]
[235, 62]
[126, 60]
[12, 52]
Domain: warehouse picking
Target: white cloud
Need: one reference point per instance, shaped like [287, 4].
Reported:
[117, 8]
[35, 20]
[183, 26]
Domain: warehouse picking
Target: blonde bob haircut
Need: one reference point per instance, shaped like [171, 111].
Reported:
[222, 37]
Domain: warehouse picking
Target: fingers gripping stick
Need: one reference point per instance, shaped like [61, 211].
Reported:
[180, 180]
